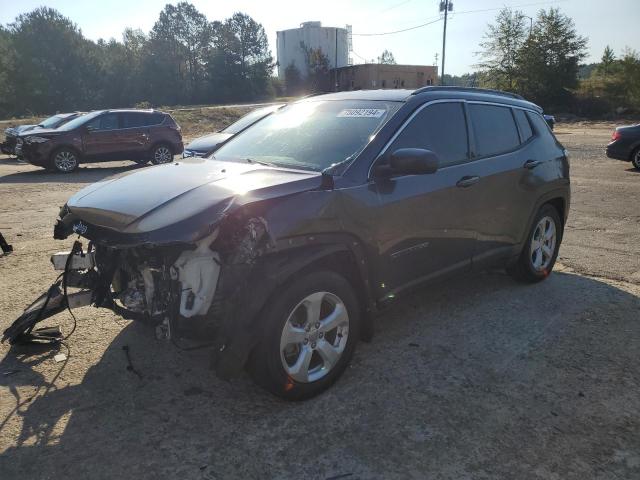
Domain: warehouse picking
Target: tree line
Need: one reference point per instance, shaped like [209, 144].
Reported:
[47, 65]
[541, 60]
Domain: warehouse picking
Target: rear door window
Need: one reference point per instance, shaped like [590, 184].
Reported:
[154, 119]
[494, 129]
[108, 121]
[441, 128]
[523, 124]
[134, 119]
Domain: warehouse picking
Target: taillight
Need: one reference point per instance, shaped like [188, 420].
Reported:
[616, 135]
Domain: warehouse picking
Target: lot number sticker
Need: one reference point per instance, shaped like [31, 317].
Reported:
[362, 112]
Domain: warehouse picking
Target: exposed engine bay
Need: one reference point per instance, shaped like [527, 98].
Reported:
[172, 288]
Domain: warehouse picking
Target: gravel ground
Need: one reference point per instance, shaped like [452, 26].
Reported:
[501, 381]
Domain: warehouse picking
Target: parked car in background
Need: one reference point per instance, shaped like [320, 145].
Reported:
[104, 135]
[207, 144]
[551, 121]
[280, 251]
[625, 144]
[11, 133]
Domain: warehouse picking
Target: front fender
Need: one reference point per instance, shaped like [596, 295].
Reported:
[244, 290]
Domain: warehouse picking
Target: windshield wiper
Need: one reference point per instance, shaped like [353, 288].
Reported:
[334, 167]
[260, 162]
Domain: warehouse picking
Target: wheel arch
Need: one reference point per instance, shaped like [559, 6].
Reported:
[65, 146]
[166, 143]
[274, 271]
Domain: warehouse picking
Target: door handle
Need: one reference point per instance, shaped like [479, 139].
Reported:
[465, 182]
[531, 164]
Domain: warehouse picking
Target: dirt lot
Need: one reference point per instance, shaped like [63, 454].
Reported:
[476, 378]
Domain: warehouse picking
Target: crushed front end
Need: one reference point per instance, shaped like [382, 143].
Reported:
[176, 288]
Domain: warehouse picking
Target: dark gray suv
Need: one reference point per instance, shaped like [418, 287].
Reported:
[281, 247]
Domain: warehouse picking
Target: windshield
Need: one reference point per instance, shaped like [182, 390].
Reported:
[250, 118]
[76, 122]
[310, 135]
[51, 122]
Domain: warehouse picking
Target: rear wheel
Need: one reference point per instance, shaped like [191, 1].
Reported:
[541, 249]
[635, 158]
[64, 160]
[310, 333]
[161, 153]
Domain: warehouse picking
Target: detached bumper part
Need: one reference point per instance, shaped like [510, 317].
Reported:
[54, 301]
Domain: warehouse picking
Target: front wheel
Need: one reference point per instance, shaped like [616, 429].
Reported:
[541, 249]
[161, 154]
[310, 333]
[65, 160]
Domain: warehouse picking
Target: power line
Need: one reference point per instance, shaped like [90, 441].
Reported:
[457, 13]
[512, 6]
[395, 6]
[397, 31]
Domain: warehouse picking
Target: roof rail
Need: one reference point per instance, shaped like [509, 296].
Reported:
[467, 89]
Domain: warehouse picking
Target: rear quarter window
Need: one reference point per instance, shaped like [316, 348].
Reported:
[523, 124]
[154, 119]
[542, 128]
[494, 129]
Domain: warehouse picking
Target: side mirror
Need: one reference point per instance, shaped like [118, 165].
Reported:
[410, 161]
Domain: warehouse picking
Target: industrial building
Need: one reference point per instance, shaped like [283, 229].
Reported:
[376, 75]
[334, 43]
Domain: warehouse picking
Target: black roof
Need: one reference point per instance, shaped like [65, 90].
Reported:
[434, 93]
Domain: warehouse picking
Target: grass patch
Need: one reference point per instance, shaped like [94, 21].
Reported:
[196, 122]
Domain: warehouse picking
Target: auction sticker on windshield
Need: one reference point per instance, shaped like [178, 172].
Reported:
[362, 112]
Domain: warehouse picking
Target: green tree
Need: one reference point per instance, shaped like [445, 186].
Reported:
[317, 63]
[386, 57]
[500, 49]
[607, 61]
[293, 82]
[548, 62]
[57, 68]
[7, 64]
[177, 50]
[240, 64]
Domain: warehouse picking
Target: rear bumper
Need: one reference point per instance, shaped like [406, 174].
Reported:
[616, 153]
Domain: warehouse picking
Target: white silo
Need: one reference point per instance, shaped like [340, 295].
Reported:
[334, 43]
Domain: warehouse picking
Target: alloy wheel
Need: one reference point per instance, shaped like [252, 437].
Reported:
[314, 337]
[162, 155]
[543, 244]
[65, 161]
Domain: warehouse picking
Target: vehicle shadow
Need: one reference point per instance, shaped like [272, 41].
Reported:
[633, 170]
[84, 174]
[478, 377]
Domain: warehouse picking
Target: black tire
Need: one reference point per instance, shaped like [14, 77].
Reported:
[524, 269]
[635, 158]
[158, 155]
[64, 160]
[266, 364]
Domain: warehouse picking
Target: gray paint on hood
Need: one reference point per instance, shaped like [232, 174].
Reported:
[157, 197]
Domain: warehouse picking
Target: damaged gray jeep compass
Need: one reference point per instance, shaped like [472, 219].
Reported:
[280, 247]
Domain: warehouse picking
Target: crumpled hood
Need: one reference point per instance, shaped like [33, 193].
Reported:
[15, 131]
[190, 195]
[208, 142]
[36, 130]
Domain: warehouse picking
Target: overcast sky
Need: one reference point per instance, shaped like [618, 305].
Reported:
[602, 22]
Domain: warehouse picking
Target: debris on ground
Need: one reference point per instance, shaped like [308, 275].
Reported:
[61, 357]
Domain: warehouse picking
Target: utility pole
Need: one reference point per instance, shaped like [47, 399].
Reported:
[446, 6]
